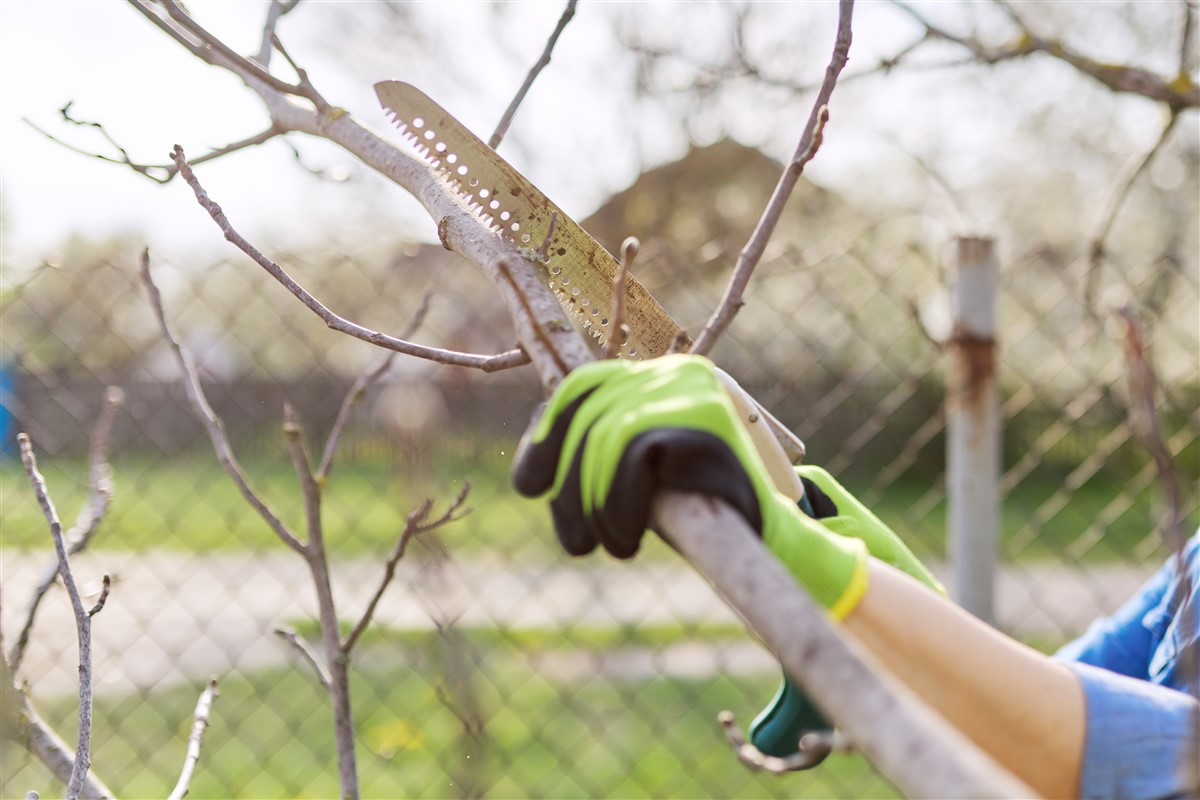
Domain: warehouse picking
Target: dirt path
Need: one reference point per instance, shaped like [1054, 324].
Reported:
[175, 617]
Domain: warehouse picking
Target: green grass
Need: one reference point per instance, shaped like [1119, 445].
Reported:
[601, 735]
[187, 503]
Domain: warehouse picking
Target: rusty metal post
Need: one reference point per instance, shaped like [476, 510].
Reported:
[973, 428]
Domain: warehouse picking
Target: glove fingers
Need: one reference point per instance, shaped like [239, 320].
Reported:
[536, 460]
[575, 532]
[677, 459]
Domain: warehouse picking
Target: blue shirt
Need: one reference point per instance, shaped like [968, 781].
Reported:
[1140, 671]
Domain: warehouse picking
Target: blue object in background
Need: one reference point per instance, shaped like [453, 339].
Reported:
[8, 410]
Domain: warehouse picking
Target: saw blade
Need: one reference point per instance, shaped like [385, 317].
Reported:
[579, 269]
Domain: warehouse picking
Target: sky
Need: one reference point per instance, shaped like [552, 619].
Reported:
[114, 67]
[578, 137]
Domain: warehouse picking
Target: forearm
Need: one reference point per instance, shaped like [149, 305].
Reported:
[1020, 706]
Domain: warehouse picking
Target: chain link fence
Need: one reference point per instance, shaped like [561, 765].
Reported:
[496, 665]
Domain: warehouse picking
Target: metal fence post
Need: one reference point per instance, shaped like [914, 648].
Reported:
[973, 427]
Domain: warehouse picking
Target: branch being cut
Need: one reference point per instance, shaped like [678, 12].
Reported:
[512, 358]
[88, 521]
[83, 622]
[534, 71]
[870, 713]
[750, 255]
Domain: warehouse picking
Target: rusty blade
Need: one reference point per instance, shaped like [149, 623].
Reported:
[580, 271]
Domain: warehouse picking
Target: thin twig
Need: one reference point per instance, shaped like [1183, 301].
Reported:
[213, 425]
[1187, 38]
[538, 66]
[83, 622]
[181, 17]
[620, 331]
[360, 387]
[107, 587]
[195, 740]
[276, 12]
[507, 360]
[750, 255]
[1097, 243]
[88, 521]
[159, 173]
[416, 523]
[1143, 415]
[307, 653]
[543, 251]
[361, 384]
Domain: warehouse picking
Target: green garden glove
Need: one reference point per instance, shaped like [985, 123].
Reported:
[616, 433]
[790, 714]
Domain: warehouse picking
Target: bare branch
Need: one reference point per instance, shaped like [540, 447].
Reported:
[307, 653]
[1187, 38]
[360, 387]
[96, 609]
[512, 358]
[538, 66]
[83, 622]
[159, 173]
[620, 330]
[195, 740]
[275, 12]
[814, 747]
[309, 488]
[1134, 167]
[1143, 415]
[1118, 78]
[731, 301]
[86, 523]
[213, 425]
[415, 524]
[181, 17]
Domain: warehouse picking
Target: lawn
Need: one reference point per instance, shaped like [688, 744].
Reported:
[187, 503]
[591, 733]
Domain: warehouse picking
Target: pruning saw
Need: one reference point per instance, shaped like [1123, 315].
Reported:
[581, 273]
[579, 269]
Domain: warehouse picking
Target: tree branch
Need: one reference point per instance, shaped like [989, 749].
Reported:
[1118, 78]
[213, 425]
[731, 301]
[536, 69]
[416, 523]
[275, 12]
[86, 523]
[552, 343]
[1134, 167]
[512, 358]
[300, 646]
[619, 330]
[83, 622]
[195, 740]
[159, 173]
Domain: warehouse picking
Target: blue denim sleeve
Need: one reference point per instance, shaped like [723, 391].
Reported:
[1141, 738]
[1140, 671]
[1123, 643]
